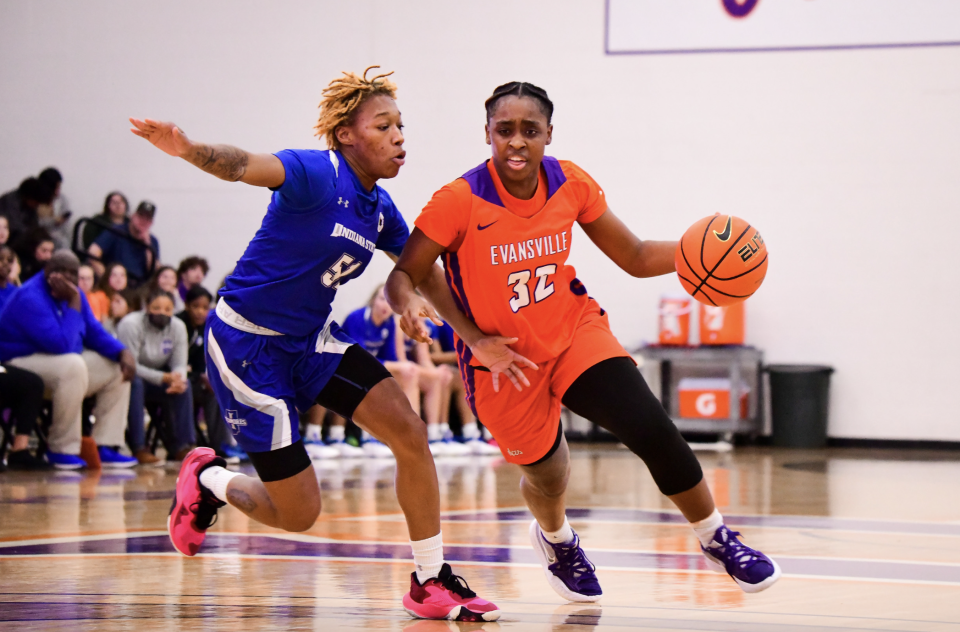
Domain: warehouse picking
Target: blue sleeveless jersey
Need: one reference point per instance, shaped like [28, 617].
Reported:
[320, 231]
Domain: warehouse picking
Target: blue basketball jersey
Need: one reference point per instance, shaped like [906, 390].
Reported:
[378, 340]
[320, 231]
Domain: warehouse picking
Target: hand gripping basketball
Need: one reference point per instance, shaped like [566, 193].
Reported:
[721, 260]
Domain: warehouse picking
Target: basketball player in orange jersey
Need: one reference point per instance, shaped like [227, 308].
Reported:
[504, 231]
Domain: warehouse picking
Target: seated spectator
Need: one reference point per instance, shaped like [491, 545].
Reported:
[115, 213]
[22, 392]
[14, 277]
[376, 330]
[20, 206]
[7, 288]
[35, 248]
[166, 279]
[119, 308]
[47, 328]
[4, 230]
[195, 317]
[85, 281]
[134, 247]
[159, 343]
[55, 216]
[444, 356]
[113, 280]
[191, 272]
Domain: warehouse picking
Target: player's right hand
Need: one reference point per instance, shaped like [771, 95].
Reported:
[494, 353]
[164, 135]
[411, 320]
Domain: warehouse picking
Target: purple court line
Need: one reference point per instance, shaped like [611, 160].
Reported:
[762, 49]
[267, 546]
[735, 521]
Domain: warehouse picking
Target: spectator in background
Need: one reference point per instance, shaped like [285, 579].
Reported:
[115, 213]
[114, 280]
[6, 265]
[119, 307]
[194, 317]
[47, 328]
[135, 247]
[22, 392]
[35, 248]
[14, 277]
[166, 279]
[55, 216]
[4, 230]
[85, 281]
[191, 272]
[20, 206]
[159, 343]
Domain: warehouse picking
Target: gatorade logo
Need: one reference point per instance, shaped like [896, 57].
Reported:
[707, 404]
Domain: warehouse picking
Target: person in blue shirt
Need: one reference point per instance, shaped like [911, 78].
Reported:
[7, 288]
[135, 247]
[273, 350]
[47, 328]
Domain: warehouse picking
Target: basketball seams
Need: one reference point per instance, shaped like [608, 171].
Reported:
[729, 250]
[754, 268]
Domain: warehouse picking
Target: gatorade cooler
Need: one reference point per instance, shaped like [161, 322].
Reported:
[722, 325]
[675, 319]
[709, 398]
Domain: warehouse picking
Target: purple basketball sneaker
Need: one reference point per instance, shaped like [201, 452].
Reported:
[750, 568]
[567, 568]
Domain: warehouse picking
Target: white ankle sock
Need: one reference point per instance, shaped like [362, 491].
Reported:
[471, 431]
[445, 431]
[216, 480]
[313, 432]
[428, 556]
[336, 433]
[561, 536]
[707, 527]
[433, 432]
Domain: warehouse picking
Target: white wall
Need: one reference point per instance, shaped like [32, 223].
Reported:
[847, 161]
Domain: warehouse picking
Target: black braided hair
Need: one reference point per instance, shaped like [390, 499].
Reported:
[520, 89]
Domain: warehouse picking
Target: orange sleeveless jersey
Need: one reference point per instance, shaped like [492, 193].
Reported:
[506, 258]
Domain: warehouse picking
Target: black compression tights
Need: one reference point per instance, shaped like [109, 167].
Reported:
[613, 395]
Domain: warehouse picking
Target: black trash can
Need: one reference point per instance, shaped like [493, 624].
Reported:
[799, 399]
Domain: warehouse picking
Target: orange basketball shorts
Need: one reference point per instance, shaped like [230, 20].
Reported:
[525, 423]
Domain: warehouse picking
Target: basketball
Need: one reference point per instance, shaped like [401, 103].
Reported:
[721, 260]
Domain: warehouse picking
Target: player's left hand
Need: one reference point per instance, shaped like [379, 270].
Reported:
[494, 353]
[411, 320]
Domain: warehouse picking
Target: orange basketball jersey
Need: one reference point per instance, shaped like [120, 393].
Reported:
[506, 258]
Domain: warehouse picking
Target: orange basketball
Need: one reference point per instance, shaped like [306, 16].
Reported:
[721, 260]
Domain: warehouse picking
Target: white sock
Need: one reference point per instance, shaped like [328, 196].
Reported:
[561, 536]
[337, 433]
[707, 527]
[471, 431]
[216, 479]
[313, 433]
[428, 556]
[433, 432]
[445, 431]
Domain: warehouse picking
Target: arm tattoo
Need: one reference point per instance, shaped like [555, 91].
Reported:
[224, 161]
[241, 500]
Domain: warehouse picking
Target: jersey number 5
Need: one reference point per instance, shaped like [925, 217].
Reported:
[519, 282]
[344, 267]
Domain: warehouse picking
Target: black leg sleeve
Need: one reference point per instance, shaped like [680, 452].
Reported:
[22, 392]
[613, 395]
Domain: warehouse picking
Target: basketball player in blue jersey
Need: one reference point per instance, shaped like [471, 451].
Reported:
[273, 350]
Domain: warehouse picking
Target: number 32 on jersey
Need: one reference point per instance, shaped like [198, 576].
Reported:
[520, 279]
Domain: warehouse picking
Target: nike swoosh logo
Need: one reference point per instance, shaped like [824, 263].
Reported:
[725, 235]
[479, 227]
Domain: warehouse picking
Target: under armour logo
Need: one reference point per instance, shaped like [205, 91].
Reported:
[245, 364]
[346, 203]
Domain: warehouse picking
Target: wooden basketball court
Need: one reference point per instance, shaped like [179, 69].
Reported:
[867, 541]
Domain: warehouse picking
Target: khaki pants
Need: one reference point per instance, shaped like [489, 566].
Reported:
[71, 377]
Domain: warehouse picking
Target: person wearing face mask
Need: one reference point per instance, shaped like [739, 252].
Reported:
[159, 343]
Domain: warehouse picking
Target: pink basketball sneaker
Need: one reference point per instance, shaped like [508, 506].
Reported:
[447, 596]
[194, 507]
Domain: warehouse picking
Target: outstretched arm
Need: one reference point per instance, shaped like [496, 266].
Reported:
[635, 257]
[224, 161]
[416, 268]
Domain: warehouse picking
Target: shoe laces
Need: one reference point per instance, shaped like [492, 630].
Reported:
[205, 509]
[571, 558]
[457, 585]
[741, 554]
